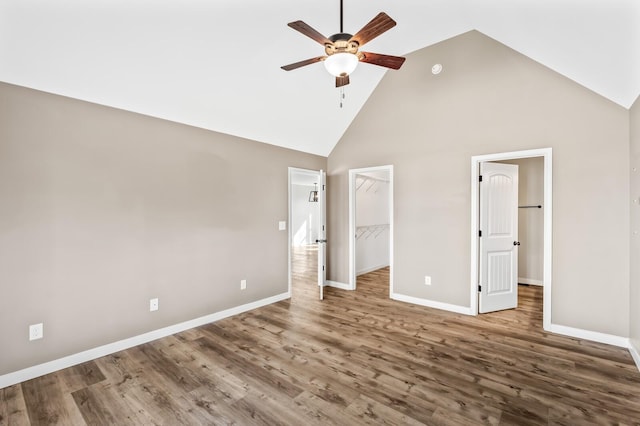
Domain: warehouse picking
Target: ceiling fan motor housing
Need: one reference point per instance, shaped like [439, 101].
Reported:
[341, 43]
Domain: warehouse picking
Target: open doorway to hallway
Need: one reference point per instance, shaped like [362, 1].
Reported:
[304, 223]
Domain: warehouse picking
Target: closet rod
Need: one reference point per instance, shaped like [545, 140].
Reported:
[530, 207]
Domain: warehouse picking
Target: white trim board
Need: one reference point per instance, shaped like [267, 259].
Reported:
[336, 284]
[367, 270]
[635, 354]
[91, 354]
[431, 304]
[594, 336]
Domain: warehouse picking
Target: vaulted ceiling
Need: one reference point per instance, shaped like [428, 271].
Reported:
[216, 64]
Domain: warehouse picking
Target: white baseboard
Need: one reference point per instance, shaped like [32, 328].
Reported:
[432, 304]
[91, 354]
[367, 270]
[339, 285]
[635, 353]
[595, 336]
[530, 281]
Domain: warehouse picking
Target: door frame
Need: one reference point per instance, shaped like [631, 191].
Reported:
[352, 222]
[546, 153]
[291, 171]
[322, 233]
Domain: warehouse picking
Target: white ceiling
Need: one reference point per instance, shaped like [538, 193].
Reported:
[216, 64]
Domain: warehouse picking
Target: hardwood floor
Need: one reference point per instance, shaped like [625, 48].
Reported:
[355, 358]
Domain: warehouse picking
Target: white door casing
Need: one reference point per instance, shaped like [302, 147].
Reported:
[498, 237]
[322, 233]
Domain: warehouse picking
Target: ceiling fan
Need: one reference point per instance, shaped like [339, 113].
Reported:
[342, 52]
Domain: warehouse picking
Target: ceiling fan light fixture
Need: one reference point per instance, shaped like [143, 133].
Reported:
[341, 64]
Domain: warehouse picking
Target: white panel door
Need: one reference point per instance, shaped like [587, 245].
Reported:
[322, 233]
[498, 237]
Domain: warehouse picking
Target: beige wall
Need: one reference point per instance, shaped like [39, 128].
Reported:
[101, 210]
[490, 99]
[635, 225]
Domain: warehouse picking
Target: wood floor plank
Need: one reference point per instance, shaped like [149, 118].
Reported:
[46, 403]
[318, 411]
[211, 409]
[444, 417]
[357, 357]
[263, 373]
[288, 355]
[262, 409]
[80, 376]
[96, 407]
[13, 409]
[215, 380]
[153, 360]
[444, 389]
[127, 380]
[371, 412]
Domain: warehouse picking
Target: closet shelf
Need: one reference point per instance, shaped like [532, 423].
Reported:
[367, 231]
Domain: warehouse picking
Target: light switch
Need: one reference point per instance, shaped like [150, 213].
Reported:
[282, 225]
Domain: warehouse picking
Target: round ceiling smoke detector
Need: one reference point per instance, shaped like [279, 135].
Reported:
[436, 69]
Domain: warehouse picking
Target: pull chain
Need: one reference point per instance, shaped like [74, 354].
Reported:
[341, 95]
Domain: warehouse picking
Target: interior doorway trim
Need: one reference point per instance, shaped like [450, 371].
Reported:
[352, 222]
[292, 171]
[546, 153]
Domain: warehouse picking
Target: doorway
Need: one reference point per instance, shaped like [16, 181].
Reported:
[370, 222]
[304, 231]
[546, 210]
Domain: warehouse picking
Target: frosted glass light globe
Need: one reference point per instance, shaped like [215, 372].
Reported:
[341, 64]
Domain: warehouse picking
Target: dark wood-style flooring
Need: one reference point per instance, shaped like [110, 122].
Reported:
[355, 358]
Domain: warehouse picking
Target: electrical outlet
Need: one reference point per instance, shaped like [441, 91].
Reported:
[153, 305]
[243, 284]
[427, 280]
[36, 331]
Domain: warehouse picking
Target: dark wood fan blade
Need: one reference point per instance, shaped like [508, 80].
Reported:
[342, 81]
[387, 61]
[302, 63]
[378, 25]
[309, 32]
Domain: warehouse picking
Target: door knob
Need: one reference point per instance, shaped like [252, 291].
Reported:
[516, 243]
[321, 241]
